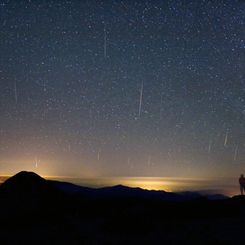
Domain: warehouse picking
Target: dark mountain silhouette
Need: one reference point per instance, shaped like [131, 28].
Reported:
[38, 211]
[70, 188]
[24, 183]
[201, 194]
[125, 191]
[28, 183]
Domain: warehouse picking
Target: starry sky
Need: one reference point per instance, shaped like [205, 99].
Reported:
[122, 88]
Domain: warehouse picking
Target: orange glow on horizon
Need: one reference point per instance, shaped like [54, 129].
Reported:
[170, 184]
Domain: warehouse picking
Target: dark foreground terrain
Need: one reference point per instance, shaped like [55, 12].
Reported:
[36, 211]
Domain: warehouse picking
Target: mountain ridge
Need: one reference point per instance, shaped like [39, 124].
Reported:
[27, 183]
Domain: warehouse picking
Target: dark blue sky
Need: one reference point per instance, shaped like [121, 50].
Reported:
[130, 88]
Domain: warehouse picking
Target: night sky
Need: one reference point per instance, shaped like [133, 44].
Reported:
[122, 88]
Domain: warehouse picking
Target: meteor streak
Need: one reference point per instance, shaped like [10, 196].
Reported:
[226, 139]
[98, 155]
[210, 146]
[235, 153]
[105, 42]
[36, 162]
[15, 93]
[140, 102]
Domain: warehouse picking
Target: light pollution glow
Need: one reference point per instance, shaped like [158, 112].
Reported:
[89, 177]
[170, 184]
